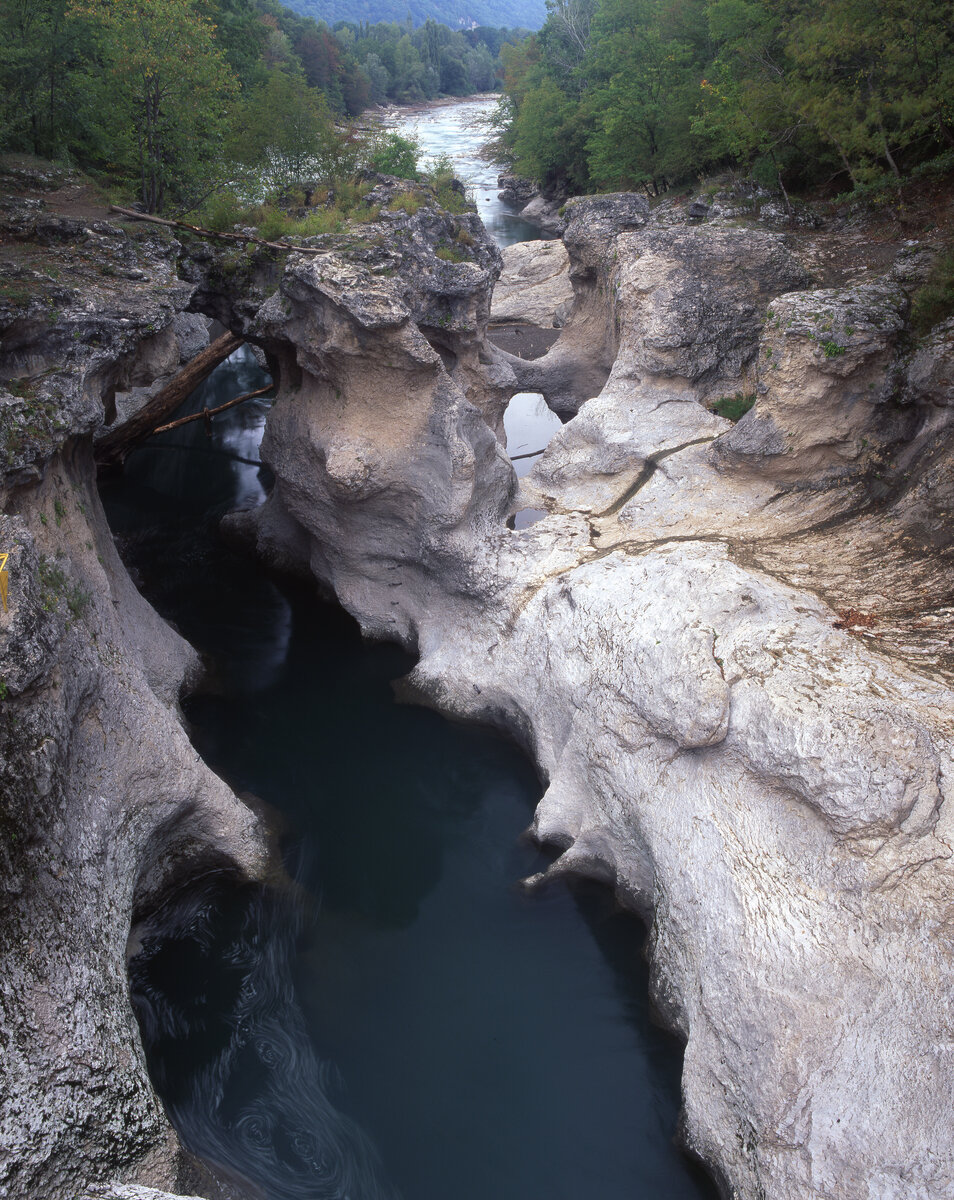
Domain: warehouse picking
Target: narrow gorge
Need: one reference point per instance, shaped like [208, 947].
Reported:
[725, 646]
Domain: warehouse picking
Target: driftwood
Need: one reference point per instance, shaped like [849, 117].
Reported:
[208, 413]
[241, 239]
[113, 447]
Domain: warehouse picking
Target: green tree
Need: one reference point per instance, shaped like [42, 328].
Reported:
[392, 154]
[747, 113]
[873, 79]
[286, 128]
[38, 100]
[164, 96]
[549, 143]
[643, 75]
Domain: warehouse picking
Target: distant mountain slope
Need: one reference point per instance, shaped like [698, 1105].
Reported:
[458, 14]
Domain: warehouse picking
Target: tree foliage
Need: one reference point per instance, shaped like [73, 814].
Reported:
[163, 98]
[796, 90]
[174, 97]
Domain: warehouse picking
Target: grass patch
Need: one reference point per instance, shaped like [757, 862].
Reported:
[733, 407]
[55, 585]
[934, 300]
[447, 188]
[451, 254]
[330, 210]
[411, 202]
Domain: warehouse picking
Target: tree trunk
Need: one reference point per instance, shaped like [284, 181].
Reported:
[113, 447]
[889, 156]
[778, 176]
[945, 129]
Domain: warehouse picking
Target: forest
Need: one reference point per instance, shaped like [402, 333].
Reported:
[171, 98]
[622, 94]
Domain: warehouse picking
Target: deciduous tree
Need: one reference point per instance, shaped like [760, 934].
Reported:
[164, 96]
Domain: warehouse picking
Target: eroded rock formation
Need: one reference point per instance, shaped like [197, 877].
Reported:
[672, 642]
[534, 286]
[771, 791]
[104, 802]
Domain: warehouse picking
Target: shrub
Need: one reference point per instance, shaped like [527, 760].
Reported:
[409, 201]
[221, 212]
[394, 154]
[733, 407]
[934, 300]
[450, 254]
[448, 189]
[271, 223]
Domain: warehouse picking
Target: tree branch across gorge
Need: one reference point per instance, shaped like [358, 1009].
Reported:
[239, 238]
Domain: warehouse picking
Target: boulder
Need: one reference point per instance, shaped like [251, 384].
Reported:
[545, 213]
[516, 190]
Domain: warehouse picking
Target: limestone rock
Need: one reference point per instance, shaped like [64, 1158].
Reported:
[516, 190]
[692, 302]
[929, 373]
[534, 286]
[127, 1192]
[824, 383]
[105, 804]
[544, 213]
[771, 791]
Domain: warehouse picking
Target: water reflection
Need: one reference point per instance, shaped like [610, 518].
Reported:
[213, 991]
[529, 425]
[479, 1029]
[165, 511]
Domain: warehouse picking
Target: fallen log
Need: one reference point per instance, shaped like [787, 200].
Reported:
[112, 448]
[207, 413]
[240, 238]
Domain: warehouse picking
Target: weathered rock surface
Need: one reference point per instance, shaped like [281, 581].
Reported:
[124, 1192]
[179, 343]
[771, 791]
[545, 213]
[516, 190]
[104, 802]
[534, 286]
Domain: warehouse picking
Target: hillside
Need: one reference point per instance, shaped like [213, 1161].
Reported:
[464, 14]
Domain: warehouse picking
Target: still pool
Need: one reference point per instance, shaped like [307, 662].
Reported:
[405, 1019]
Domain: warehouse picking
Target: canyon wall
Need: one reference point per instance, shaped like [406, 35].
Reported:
[105, 805]
[726, 646]
[689, 644]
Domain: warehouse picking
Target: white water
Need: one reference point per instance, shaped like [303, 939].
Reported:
[459, 130]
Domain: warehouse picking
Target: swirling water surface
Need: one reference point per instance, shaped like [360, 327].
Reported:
[402, 1019]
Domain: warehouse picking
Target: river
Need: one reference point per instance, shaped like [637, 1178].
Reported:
[402, 1019]
[458, 130]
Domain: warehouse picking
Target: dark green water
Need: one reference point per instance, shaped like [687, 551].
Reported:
[410, 1023]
